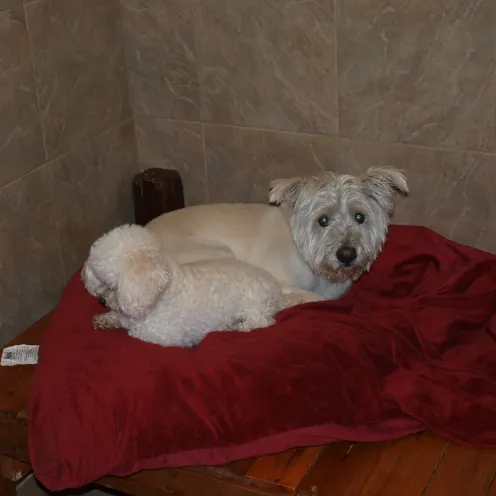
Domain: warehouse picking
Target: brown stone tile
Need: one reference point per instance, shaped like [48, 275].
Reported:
[418, 72]
[80, 69]
[92, 191]
[9, 4]
[30, 262]
[161, 54]
[451, 192]
[269, 64]
[21, 144]
[242, 162]
[175, 145]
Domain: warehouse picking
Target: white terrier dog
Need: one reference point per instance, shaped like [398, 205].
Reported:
[157, 300]
[326, 231]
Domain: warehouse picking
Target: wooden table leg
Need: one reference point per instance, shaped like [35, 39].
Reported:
[7, 487]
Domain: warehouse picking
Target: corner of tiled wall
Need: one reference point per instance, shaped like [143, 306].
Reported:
[67, 146]
[233, 93]
[163, 73]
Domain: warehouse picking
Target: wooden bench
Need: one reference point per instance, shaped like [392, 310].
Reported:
[418, 465]
[280, 474]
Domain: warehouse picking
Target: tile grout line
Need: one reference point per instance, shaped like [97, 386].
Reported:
[320, 135]
[336, 63]
[130, 89]
[199, 74]
[205, 163]
[36, 88]
[66, 153]
[125, 48]
[57, 223]
[125, 53]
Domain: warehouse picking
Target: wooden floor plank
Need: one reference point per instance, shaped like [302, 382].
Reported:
[181, 482]
[406, 466]
[240, 467]
[343, 469]
[285, 469]
[492, 489]
[463, 471]
[270, 468]
[234, 471]
[300, 466]
[13, 470]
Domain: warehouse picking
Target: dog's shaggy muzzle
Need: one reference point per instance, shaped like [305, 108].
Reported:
[339, 223]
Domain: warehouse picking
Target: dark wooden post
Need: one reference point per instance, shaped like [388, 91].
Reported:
[156, 192]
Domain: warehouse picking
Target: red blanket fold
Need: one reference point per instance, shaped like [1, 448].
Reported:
[411, 346]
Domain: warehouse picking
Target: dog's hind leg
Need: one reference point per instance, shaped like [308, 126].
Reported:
[249, 322]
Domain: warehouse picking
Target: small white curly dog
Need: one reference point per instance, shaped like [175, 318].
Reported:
[157, 300]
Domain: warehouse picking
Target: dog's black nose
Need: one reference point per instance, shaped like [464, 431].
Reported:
[346, 254]
[102, 301]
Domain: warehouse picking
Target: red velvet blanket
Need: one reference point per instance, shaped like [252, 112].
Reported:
[411, 346]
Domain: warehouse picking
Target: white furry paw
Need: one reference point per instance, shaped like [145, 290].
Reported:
[248, 325]
[102, 323]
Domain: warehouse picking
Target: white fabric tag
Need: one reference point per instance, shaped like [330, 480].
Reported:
[22, 354]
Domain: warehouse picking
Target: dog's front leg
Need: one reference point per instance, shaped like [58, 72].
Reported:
[332, 290]
[292, 296]
[105, 321]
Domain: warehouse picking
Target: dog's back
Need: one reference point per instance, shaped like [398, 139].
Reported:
[208, 296]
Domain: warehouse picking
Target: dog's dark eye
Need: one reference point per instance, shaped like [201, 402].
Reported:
[360, 218]
[102, 301]
[323, 221]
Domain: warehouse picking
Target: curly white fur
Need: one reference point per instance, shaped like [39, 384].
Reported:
[157, 300]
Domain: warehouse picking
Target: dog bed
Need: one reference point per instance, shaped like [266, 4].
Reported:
[412, 346]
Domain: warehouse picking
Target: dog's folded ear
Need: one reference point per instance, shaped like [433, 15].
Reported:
[286, 191]
[90, 281]
[142, 283]
[383, 183]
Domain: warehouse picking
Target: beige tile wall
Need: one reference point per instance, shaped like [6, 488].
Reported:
[67, 145]
[234, 93]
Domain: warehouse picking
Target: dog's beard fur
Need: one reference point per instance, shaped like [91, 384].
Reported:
[341, 275]
[340, 198]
